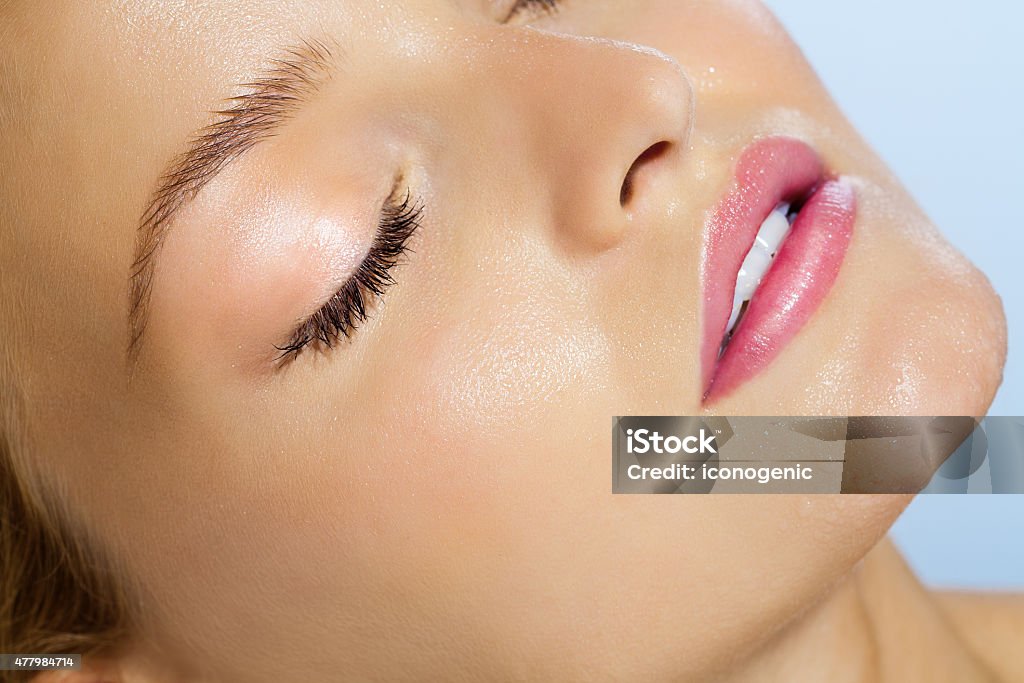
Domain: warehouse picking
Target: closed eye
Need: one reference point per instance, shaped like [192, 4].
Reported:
[351, 304]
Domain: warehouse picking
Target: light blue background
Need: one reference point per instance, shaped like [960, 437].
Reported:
[937, 87]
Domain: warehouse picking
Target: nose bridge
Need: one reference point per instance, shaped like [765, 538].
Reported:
[622, 79]
[594, 108]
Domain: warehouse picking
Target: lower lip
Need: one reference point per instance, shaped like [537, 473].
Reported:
[801, 275]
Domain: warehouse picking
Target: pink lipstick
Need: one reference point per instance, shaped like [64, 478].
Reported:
[787, 177]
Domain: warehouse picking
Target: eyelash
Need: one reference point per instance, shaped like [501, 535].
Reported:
[534, 6]
[350, 305]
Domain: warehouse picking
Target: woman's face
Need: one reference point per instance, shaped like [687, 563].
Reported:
[432, 493]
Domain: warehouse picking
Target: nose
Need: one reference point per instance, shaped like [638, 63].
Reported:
[608, 119]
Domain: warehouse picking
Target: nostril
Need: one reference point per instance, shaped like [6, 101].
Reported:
[650, 155]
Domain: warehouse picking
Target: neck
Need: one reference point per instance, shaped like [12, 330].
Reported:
[880, 624]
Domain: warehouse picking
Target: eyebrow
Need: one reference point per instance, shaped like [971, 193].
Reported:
[267, 102]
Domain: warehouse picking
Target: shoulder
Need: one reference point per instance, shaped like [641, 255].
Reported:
[992, 625]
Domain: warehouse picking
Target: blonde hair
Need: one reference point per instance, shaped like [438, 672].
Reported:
[58, 593]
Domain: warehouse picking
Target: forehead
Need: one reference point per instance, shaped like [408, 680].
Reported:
[97, 97]
[124, 83]
[170, 51]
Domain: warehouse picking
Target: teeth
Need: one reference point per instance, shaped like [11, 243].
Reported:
[774, 229]
[770, 237]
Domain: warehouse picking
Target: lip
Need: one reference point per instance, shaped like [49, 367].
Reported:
[771, 171]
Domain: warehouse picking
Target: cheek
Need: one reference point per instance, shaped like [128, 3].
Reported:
[497, 397]
[506, 368]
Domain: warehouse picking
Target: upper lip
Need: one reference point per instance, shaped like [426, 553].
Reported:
[770, 171]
